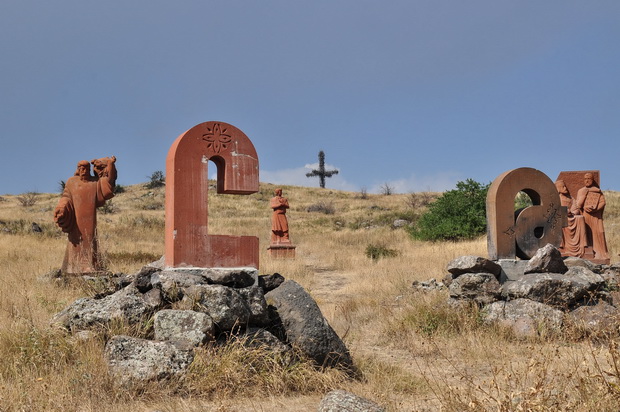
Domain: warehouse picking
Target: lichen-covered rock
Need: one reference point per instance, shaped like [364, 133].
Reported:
[255, 298]
[133, 360]
[224, 305]
[525, 317]
[598, 320]
[482, 288]
[185, 325]
[305, 326]
[546, 260]
[342, 401]
[576, 286]
[173, 283]
[127, 304]
[473, 264]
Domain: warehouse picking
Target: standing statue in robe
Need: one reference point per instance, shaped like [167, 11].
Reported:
[76, 213]
[574, 238]
[591, 204]
[279, 224]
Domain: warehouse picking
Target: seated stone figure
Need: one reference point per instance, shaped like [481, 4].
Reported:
[574, 238]
[76, 213]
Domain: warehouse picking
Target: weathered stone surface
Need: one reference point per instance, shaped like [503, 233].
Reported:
[305, 326]
[260, 338]
[575, 261]
[428, 285]
[224, 305]
[173, 283]
[233, 277]
[473, 264]
[133, 360]
[186, 325]
[342, 401]
[562, 291]
[546, 260]
[127, 304]
[525, 317]
[482, 288]
[255, 298]
[270, 282]
[142, 279]
[600, 319]
[512, 269]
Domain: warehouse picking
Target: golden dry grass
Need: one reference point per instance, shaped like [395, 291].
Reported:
[415, 353]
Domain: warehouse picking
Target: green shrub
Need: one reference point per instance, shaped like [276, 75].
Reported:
[457, 214]
[376, 252]
[156, 179]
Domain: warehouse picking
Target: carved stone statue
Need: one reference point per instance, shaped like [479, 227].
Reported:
[279, 224]
[591, 203]
[574, 237]
[76, 213]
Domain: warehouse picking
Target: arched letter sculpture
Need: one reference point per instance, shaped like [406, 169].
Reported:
[187, 242]
[513, 234]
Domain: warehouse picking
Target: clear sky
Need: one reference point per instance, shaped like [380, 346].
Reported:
[418, 94]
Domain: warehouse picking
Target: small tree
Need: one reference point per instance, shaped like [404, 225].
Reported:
[157, 179]
[28, 199]
[457, 214]
[386, 189]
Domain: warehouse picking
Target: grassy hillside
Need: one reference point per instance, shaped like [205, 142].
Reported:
[413, 350]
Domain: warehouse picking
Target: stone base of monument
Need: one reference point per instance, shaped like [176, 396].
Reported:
[589, 255]
[192, 307]
[282, 250]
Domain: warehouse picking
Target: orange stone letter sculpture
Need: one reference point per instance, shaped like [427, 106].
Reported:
[76, 213]
[520, 234]
[187, 242]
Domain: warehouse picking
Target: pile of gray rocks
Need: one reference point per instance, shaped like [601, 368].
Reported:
[190, 307]
[539, 295]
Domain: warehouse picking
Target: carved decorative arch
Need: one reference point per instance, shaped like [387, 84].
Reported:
[186, 235]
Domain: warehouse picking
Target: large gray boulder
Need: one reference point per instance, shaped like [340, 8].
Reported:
[183, 325]
[473, 264]
[127, 304]
[224, 305]
[343, 401]
[525, 317]
[133, 360]
[578, 285]
[546, 260]
[305, 326]
[482, 288]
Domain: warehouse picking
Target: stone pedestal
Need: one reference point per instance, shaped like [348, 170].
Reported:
[282, 250]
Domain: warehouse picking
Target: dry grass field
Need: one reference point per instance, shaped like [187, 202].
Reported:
[414, 352]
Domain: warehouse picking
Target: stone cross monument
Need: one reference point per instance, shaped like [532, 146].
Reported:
[321, 172]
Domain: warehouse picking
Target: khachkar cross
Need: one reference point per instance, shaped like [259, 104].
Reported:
[321, 172]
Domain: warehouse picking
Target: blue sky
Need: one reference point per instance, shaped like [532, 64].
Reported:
[418, 94]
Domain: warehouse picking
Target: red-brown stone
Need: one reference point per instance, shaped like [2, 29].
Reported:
[76, 213]
[187, 240]
[584, 236]
[511, 235]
